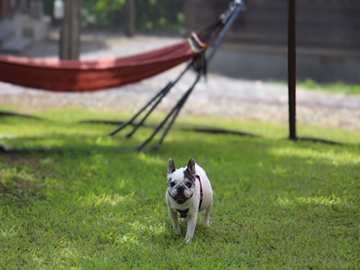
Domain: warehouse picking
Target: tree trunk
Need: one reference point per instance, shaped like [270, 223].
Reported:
[70, 33]
[130, 18]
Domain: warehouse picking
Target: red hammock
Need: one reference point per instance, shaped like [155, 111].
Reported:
[81, 76]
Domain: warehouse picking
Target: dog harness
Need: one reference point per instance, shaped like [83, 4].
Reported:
[183, 213]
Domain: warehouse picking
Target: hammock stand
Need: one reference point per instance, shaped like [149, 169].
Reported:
[200, 64]
[213, 35]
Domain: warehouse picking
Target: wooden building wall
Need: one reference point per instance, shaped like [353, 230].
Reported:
[321, 24]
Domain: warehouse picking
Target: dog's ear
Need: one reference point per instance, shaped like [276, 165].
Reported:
[191, 166]
[171, 166]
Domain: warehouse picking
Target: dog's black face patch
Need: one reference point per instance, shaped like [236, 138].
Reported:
[189, 184]
[171, 184]
[189, 176]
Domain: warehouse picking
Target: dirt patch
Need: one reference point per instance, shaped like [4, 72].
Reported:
[19, 183]
[19, 187]
[16, 160]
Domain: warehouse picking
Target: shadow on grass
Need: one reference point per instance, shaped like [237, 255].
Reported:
[276, 202]
[94, 130]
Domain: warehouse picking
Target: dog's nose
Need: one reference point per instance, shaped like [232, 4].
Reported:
[180, 190]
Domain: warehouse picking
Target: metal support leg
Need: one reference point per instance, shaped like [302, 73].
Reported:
[131, 120]
[157, 99]
[174, 113]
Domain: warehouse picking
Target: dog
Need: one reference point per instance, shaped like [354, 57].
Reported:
[188, 192]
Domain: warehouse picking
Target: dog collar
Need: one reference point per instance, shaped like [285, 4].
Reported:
[183, 213]
[201, 192]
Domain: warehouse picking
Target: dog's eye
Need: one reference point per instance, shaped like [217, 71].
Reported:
[189, 185]
[172, 184]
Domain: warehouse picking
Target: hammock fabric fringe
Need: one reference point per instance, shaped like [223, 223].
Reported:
[84, 76]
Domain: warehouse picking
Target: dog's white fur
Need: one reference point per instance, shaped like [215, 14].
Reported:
[192, 195]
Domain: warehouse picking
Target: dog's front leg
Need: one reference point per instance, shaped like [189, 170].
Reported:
[174, 221]
[191, 224]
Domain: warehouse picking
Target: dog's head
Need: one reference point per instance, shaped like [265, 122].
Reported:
[181, 182]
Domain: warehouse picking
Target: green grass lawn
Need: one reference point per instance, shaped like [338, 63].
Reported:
[278, 204]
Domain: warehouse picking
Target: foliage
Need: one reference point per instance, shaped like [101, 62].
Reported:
[278, 204]
[160, 14]
[103, 13]
[150, 15]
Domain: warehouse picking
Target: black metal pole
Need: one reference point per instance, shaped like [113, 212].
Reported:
[178, 109]
[159, 96]
[132, 119]
[292, 68]
[225, 30]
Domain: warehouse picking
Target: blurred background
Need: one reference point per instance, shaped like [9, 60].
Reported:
[251, 64]
[328, 43]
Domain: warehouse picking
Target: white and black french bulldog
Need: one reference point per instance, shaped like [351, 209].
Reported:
[188, 192]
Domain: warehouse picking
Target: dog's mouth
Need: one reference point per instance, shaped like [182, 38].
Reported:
[180, 199]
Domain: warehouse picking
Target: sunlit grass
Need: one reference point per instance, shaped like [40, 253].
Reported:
[338, 87]
[278, 204]
[332, 156]
[326, 201]
[335, 87]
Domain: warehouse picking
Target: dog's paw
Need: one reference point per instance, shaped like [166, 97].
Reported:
[188, 240]
[207, 224]
[177, 230]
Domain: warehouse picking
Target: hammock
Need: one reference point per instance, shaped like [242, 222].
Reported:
[83, 76]
[80, 76]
